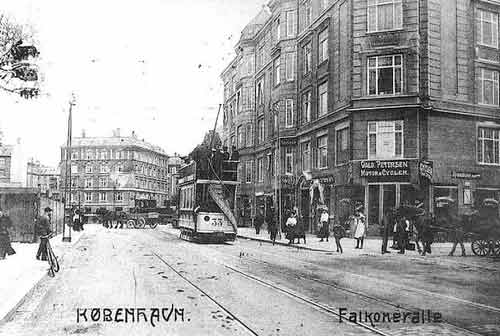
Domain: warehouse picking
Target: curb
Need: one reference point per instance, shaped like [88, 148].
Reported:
[285, 244]
[21, 301]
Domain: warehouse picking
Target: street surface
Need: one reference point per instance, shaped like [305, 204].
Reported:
[252, 288]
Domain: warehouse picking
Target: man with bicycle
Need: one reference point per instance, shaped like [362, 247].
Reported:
[44, 231]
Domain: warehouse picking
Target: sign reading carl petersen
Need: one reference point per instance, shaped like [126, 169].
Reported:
[386, 171]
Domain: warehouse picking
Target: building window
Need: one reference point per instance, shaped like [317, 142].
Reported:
[488, 87]
[342, 154]
[488, 145]
[104, 155]
[289, 160]
[260, 170]
[307, 14]
[260, 126]
[305, 149]
[74, 155]
[385, 139]
[103, 182]
[277, 28]
[306, 107]
[487, 28]
[322, 158]
[385, 75]
[248, 171]
[118, 196]
[248, 133]
[238, 102]
[104, 169]
[307, 58]
[88, 197]
[290, 66]
[290, 23]
[260, 92]
[323, 46]
[88, 169]
[384, 15]
[277, 66]
[323, 99]
[74, 169]
[102, 197]
[88, 183]
[260, 57]
[289, 113]
[240, 136]
[89, 155]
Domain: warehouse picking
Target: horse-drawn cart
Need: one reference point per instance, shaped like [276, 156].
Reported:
[484, 229]
[144, 213]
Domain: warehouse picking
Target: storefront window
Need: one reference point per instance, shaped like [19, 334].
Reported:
[445, 201]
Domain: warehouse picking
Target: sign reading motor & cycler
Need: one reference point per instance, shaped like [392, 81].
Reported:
[386, 170]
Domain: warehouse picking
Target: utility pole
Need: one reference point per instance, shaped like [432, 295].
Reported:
[277, 165]
[67, 177]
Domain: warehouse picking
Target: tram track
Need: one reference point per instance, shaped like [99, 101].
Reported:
[355, 293]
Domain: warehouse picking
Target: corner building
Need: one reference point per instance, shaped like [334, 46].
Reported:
[390, 101]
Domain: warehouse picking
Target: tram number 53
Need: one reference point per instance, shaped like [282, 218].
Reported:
[217, 222]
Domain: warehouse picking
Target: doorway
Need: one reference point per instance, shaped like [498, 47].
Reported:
[382, 197]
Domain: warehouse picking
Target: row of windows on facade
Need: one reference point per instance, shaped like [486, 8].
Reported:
[109, 154]
[384, 75]
[104, 197]
[106, 183]
[385, 141]
[382, 15]
[89, 169]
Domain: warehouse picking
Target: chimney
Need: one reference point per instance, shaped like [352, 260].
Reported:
[83, 133]
[118, 132]
[133, 134]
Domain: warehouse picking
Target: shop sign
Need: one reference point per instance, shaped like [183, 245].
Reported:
[326, 180]
[388, 170]
[186, 179]
[288, 141]
[425, 169]
[465, 175]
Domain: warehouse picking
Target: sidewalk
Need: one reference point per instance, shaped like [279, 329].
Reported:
[21, 272]
[371, 246]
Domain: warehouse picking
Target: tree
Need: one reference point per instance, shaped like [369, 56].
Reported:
[18, 71]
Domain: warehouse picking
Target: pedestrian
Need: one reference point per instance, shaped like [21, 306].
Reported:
[259, 220]
[387, 226]
[338, 234]
[43, 230]
[403, 229]
[359, 228]
[325, 225]
[5, 245]
[76, 221]
[272, 226]
[291, 223]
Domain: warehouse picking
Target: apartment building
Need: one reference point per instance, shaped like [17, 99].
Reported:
[390, 101]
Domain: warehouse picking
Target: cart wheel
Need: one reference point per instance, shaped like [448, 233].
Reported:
[153, 225]
[130, 224]
[495, 248]
[480, 247]
[141, 222]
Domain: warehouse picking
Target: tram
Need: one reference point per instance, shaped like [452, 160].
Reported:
[206, 197]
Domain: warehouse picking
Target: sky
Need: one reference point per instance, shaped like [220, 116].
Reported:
[151, 66]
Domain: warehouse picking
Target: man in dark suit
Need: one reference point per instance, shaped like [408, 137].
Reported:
[43, 230]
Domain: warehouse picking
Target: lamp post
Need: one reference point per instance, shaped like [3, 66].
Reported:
[67, 189]
[277, 165]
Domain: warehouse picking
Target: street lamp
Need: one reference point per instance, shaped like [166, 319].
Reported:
[67, 189]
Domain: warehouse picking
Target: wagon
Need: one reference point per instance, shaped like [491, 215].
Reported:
[144, 213]
[485, 230]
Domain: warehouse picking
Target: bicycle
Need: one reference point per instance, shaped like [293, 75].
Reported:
[51, 258]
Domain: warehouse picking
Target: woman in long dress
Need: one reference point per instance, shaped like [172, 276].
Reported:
[291, 224]
[360, 229]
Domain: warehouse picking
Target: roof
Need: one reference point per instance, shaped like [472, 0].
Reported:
[115, 142]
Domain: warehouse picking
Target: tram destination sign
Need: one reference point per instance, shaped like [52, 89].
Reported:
[386, 170]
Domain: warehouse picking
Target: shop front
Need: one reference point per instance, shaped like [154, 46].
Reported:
[388, 184]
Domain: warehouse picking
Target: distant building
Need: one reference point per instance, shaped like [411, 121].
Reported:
[45, 178]
[7, 171]
[174, 163]
[113, 172]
